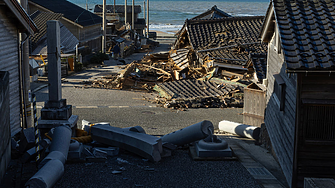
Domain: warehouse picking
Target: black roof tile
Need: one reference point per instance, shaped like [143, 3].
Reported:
[70, 11]
[40, 19]
[237, 55]
[259, 62]
[307, 32]
[215, 33]
[212, 13]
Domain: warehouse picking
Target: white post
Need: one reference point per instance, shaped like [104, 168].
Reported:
[104, 27]
[147, 18]
[125, 12]
[133, 16]
[144, 17]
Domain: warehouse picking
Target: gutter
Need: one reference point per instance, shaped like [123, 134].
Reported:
[23, 83]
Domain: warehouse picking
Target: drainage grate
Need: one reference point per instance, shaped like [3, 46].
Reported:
[260, 173]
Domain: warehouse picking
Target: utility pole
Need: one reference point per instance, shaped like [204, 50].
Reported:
[114, 7]
[125, 12]
[133, 16]
[26, 76]
[104, 27]
[144, 17]
[147, 18]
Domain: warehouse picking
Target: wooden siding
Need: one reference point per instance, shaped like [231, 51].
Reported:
[281, 124]
[254, 106]
[316, 157]
[10, 62]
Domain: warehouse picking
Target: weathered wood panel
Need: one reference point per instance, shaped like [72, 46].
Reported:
[281, 124]
[254, 106]
[316, 139]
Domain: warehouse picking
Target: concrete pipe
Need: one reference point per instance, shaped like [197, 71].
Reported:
[52, 156]
[240, 129]
[47, 176]
[61, 140]
[190, 134]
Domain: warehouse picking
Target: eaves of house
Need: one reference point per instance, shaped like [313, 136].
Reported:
[20, 16]
[306, 33]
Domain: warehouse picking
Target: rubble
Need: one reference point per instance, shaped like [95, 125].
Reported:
[147, 146]
[190, 134]
[198, 94]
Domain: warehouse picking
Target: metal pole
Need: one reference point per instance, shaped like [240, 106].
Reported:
[133, 16]
[114, 7]
[125, 12]
[104, 27]
[147, 18]
[145, 34]
[26, 75]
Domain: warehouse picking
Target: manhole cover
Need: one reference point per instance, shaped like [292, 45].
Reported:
[147, 112]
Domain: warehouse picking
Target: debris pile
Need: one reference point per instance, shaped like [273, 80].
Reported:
[198, 94]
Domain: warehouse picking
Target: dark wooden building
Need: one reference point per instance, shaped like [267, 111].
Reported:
[301, 87]
[13, 21]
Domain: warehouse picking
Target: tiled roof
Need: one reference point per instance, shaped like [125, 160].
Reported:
[40, 19]
[39, 41]
[237, 55]
[19, 16]
[118, 9]
[212, 13]
[259, 62]
[70, 11]
[307, 32]
[206, 34]
[180, 58]
[191, 89]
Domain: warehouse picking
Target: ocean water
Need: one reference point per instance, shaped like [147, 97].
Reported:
[170, 15]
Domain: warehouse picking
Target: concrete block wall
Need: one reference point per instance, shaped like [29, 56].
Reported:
[5, 136]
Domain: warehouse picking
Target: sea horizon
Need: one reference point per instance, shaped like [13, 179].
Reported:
[170, 15]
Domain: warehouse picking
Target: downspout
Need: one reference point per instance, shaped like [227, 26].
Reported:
[23, 83]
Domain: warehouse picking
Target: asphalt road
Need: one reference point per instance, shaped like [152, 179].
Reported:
[128, 108]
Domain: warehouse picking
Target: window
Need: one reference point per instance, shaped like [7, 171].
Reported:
[279, 91]
[318, 120]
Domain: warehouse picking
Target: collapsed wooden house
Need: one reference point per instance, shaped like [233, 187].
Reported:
[224, 42]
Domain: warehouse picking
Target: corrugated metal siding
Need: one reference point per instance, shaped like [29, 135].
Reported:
[9, 62]
[281, 124]
[4, 123]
